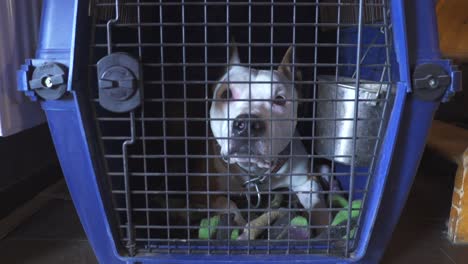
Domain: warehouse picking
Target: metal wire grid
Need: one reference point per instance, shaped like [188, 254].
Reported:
[350, 13]
[154, 152]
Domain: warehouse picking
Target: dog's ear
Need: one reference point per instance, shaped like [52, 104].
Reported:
[233, 60]
[233, 55]
[286, 68]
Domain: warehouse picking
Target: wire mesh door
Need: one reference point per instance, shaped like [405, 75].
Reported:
[259, 125]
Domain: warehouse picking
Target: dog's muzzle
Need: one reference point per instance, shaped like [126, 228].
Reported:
[246, 130]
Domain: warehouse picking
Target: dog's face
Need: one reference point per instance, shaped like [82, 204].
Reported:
[253, 114]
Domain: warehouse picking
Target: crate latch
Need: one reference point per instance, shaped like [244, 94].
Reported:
[119, 82]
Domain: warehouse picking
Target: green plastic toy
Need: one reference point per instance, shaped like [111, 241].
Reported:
[341, 217]
[299, 221]
[208, 228]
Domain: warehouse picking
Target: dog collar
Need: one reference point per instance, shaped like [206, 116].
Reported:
[259, 179]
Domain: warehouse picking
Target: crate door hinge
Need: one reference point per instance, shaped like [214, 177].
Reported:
[47, 81]
[436, 80]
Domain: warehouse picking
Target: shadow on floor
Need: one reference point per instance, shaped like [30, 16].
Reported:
[51, 236]
[54, 234]
[420, 236]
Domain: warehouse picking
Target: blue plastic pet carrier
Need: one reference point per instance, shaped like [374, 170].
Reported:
[302, 121]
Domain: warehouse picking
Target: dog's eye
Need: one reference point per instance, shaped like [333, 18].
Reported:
[279, 100]
[226, 94]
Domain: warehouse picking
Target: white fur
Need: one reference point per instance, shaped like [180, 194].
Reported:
[253, 84]
[261, 88]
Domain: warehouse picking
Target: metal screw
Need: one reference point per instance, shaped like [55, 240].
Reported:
[432, 83]
[47, 81]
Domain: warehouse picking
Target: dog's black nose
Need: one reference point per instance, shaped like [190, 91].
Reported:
[246, 125]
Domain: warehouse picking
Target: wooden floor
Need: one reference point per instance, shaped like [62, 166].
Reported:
[421, 235]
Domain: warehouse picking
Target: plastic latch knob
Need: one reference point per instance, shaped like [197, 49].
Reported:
[119, 81]
[49, 81]
[430, 81]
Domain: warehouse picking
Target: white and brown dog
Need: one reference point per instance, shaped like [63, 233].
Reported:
[253, 118]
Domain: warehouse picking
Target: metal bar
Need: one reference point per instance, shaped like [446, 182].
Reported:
[337, 74]
[143, 133]
[162, 174]
[109, 25]
[216, 192]
[314, 95]
[228, 41]
[305, 100]
[214, 82]
[173, 44]
[128, 200]
[272, 22]
[250, 111]
[130, 245]
[235, 249]
[293, 115]
[184, 79]
[252, 210]
[233, 24]
[222, 227]
[156, 100]
[207, 95]
[164, 124]
[215, 156]
[356, 103]
[201, 119]
[262, 3]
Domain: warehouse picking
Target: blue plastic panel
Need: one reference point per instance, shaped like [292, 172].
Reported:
[69, 138]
